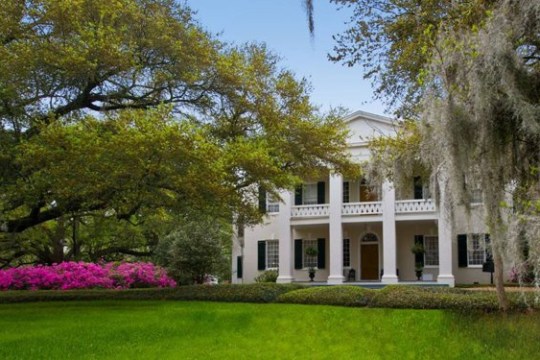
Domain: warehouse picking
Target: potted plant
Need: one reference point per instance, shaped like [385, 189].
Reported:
[311, 251]
[419, 269]
[418, 250]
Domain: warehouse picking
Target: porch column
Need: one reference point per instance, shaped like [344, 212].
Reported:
[285, 239]
[389, 233]
[336, 230]
[445, 237]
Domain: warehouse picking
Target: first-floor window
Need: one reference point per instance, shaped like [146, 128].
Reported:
[272, 254]
[267, 254]
[309, 260]
[346, 252]
[473, 249]
[431, 251]
[477, 249]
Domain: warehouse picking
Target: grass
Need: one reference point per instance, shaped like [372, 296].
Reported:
[202, 330]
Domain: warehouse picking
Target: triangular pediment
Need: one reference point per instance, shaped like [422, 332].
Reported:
[363, 126]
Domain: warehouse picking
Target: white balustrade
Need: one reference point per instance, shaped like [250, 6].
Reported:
[414, 206]
[317, 210]
[362, 208]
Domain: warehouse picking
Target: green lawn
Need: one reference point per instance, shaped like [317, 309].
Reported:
[201, 330]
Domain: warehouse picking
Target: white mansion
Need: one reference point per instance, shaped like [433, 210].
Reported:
[360, 237]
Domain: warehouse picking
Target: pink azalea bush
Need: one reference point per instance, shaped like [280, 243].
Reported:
[81, 275]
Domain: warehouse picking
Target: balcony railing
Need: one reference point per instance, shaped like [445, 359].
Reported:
[317, 210]
[414, 206]
[362, 208]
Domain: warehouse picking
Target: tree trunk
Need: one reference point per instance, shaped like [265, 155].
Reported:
[499, 280]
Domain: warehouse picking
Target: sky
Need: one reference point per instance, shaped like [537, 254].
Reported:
[282, 25]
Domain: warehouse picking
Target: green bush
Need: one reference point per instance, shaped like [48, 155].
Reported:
[14, 296]
[257, 293]
[269, 276]
[329, 295]
[412, 297]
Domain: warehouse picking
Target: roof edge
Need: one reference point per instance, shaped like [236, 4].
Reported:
[369, 116]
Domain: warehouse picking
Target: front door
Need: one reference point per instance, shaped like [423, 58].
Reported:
[369, 260]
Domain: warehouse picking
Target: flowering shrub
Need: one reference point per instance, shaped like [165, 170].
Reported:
[81, 275]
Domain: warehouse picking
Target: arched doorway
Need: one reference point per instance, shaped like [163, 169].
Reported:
[369, 257]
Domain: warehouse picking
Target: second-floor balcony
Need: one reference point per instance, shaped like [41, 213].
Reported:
[402, 207]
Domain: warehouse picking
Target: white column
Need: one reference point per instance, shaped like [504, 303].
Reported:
[445, 237]
[389, 233]
[285, 239]
[336, 230]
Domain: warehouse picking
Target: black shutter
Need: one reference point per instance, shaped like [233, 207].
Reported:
[419, 258]
[320, 192]
[346, 195]
[298, 254]
[261, 263]
[239, 267]
[298, 195]
[262, 200]
[321, 256]
[418, 188]
[462, 250]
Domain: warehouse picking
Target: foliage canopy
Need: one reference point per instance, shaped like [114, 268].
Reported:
[129, 110]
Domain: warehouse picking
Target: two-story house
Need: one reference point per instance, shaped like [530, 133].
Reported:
[361, 235]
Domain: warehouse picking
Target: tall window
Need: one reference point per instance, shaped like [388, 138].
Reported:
[431, 250]
[477, 249]
[476, 196]
[272, 204]
[345, 192]
[346, 252]
[310, 193]
[309, 260]
[367, 193]
[272, 254]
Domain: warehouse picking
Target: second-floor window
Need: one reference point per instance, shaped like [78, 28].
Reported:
[367, 193]
[420, 189]
[345, 192]
[272, 204]
[310, 193]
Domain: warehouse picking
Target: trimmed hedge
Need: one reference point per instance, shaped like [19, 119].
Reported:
[257, 293]
[395, 296]
[408, 297]
[411, 297]
[329, 295]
